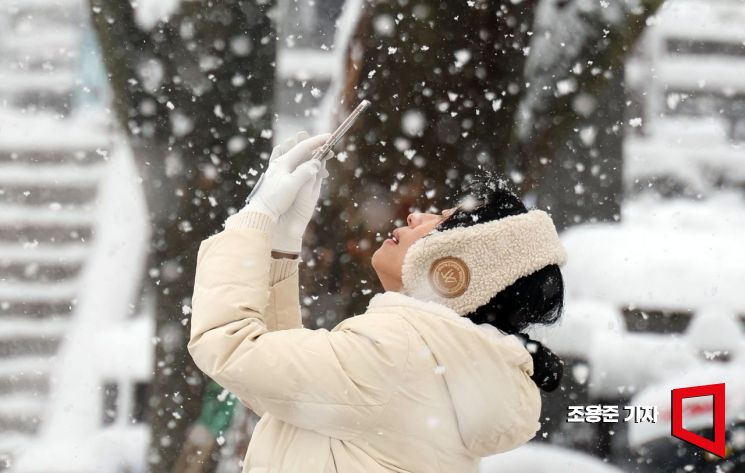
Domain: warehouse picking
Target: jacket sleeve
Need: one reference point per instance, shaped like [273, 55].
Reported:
[334, 382]
[283, 309]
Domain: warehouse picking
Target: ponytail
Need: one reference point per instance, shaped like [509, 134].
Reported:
[548, 368]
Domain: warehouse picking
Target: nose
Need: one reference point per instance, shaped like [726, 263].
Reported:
[417, 218]
[413, 219]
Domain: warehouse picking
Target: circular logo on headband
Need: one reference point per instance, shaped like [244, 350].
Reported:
[449, 276]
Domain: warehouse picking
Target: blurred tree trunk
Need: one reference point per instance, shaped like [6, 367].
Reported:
[195, 94]
[445, 80]
[568, 142]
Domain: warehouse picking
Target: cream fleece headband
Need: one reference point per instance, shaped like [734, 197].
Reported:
[463, 268]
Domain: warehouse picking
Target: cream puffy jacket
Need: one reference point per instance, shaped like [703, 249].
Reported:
[408, 386]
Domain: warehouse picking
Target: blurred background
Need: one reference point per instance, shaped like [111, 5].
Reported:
[130, 129]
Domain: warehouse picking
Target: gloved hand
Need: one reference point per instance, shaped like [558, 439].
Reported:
[290, 181]
[291, 225]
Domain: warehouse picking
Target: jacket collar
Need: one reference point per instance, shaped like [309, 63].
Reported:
[398, 299]
[393, 298]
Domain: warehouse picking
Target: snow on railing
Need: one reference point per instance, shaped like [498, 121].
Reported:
[72, 435]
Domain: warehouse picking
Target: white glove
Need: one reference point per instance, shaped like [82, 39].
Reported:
[291, 225]
[283, 180]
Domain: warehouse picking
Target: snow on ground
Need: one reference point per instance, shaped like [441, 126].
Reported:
[678, 255]
[674, 254]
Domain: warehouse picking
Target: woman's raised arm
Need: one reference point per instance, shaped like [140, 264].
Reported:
[334, 382]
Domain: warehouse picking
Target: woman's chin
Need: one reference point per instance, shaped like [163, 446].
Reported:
[376, 255]
[379, 257]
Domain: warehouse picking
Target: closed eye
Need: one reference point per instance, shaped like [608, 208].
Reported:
[448, 213]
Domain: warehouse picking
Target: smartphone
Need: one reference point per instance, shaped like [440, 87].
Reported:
[336, 136]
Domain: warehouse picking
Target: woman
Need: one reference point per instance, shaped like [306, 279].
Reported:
[428, 379]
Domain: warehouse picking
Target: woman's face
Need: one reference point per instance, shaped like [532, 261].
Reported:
[389, 258]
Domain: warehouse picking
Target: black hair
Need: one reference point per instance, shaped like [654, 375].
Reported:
[537, 298]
